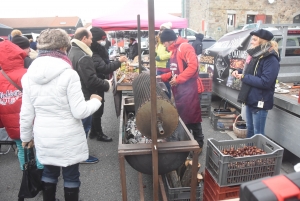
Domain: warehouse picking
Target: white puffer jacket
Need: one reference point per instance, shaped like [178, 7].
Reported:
[52, 108]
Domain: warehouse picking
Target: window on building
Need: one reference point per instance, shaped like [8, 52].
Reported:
[268, 19]
[250, 19]
[231, 20]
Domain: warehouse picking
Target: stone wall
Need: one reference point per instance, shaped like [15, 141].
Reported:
[214, 13]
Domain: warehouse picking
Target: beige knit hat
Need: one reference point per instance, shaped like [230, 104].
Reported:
[53, 39]
[167, 25]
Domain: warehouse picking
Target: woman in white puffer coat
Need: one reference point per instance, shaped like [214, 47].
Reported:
[52, 108]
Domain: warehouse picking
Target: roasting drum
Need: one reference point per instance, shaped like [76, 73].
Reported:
[173, 129]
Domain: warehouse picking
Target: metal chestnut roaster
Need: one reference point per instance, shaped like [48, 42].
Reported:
[168, 126]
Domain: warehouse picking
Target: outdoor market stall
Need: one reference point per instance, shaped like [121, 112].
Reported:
[141, 18]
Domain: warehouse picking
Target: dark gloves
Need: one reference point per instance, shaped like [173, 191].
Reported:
[157, 58]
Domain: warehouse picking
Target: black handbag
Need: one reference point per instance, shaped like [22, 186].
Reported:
[31, 183]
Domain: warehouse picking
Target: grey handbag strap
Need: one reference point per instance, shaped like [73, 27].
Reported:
[12, 82]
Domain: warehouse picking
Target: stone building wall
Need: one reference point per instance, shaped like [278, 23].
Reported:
[214, 13]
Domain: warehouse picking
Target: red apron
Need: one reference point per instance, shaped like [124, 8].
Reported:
[186, 96]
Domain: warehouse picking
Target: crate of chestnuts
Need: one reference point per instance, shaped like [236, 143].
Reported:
[232, 162]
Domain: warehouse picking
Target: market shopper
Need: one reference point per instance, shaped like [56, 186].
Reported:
[163, 56]
[16, 32]
[197, 44]
[53, 106]
[103, 67]
[24, 44]
[80, 55]
[133, 49]
[184, 82]
[10, 96]
[258, 80]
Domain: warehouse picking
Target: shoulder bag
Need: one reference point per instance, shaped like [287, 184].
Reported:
[31, 183]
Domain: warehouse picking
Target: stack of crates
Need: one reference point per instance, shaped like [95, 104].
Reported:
[212, 191]
[205, 97]
[224, 174]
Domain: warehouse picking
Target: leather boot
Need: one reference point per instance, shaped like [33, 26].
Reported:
[100, 135]
[49, 190]
[20, 199]
[71, 194]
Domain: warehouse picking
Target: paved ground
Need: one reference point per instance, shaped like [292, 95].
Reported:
[101, 181]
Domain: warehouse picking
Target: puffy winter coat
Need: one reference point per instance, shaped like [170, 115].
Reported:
[163, 54]
[263, 82]
[12, 63]
[185, 55]
[52, 109]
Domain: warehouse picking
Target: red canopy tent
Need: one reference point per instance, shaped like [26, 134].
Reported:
[125, 18]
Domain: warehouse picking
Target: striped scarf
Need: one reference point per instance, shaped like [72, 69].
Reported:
[55, 53]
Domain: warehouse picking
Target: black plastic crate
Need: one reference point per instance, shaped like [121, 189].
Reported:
[205, 111]
[181, 193]
[205, 98]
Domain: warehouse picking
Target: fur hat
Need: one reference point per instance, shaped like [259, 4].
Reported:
[167, 25]
[264, 34]
[21, 41]
[98, 34]
[168, 35]
[53, 39]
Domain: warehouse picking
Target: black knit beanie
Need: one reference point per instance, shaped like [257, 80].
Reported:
[21, 41]
[168, 35]
[98, 34]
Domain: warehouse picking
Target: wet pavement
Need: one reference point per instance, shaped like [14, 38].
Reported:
[101, 181]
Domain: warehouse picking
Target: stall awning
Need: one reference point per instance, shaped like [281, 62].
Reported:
[125, 18]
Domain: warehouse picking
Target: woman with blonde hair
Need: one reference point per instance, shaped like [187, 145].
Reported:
[52, 108]
[258, 80]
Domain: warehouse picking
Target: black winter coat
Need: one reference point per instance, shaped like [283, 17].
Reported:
[84, 65]
[133, 51]
[27, 62]
[104, 69]
[197, 45]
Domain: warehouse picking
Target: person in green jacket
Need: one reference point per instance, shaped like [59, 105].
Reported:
[162, 60]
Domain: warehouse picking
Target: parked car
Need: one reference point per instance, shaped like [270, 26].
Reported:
[247, 26]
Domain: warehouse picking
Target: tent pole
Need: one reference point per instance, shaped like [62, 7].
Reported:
[151, 31]
[139, 43]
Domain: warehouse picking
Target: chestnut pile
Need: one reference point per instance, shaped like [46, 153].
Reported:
[244, 151]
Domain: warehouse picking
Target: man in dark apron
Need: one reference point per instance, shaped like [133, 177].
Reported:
[183, 79]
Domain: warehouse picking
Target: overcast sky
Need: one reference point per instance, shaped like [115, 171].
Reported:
[85, 9]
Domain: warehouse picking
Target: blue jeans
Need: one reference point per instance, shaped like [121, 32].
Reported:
[256, 121]
[166, 83]
[70, 175]
[87, 124]
[21, 156]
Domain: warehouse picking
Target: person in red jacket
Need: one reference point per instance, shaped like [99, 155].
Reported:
[184, 82]
[12, 64]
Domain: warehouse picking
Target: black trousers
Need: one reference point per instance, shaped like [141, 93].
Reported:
[96, 119]
[197, 133]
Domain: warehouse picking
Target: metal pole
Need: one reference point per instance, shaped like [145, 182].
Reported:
[151, 31]
[139, 43]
